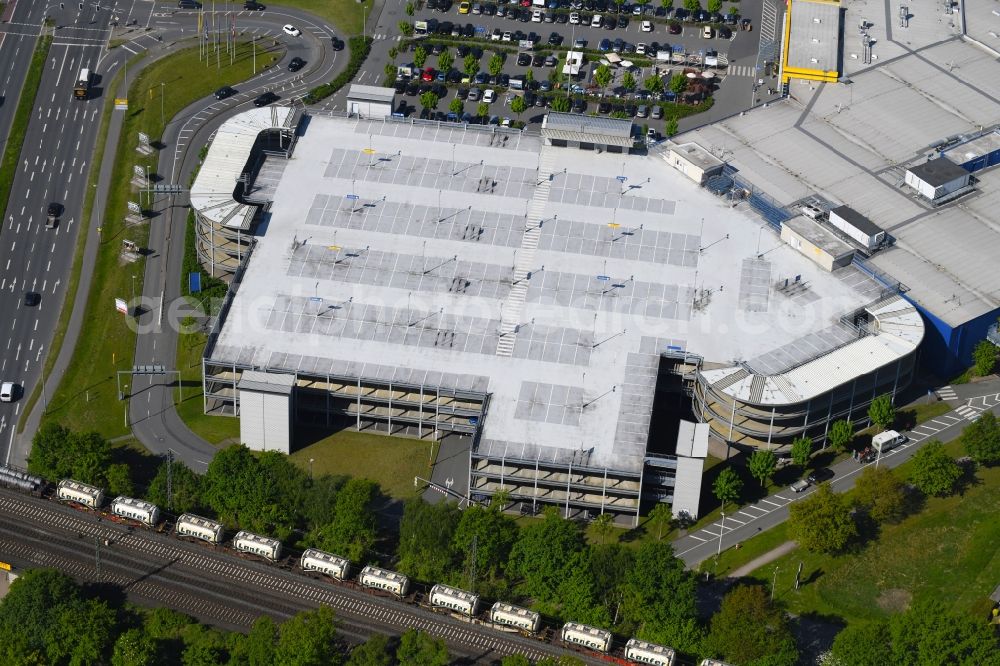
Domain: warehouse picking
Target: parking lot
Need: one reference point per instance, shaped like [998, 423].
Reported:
[641, 42]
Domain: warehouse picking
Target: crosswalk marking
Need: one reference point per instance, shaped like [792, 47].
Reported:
[967, 412]
[740, 70]
[947, 393]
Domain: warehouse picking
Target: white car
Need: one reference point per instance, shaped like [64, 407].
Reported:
[7, 392]
[596, 21]
[574, 18]
[640, 49]
[536, 16]
[291, 30]
[647, 26]
[489, 96]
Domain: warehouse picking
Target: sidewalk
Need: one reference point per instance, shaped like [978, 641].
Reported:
[761, 560]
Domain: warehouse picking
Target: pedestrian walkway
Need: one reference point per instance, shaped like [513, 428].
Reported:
[947, 393]
[968, 412]
[761, 560]
[741, 70]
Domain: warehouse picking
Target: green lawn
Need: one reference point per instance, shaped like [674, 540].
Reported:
[391, 461]
[218, 430]
[345, 15]
[107, 343]
[948, 552]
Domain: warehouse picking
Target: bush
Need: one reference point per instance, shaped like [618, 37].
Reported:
[360, 46]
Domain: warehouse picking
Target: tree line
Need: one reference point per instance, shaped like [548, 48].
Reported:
[48, 619]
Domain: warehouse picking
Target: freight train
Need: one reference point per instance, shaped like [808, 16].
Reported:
[462, 604]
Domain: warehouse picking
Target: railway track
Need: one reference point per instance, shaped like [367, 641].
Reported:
[222, 589]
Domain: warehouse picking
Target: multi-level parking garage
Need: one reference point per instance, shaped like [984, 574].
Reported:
[421, 278]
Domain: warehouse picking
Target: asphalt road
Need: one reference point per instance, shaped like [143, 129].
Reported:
[156, 569]
[18, 34]
[744, 522]
[54, 167]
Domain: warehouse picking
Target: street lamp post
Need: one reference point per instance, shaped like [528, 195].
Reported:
[722, 530]
[311, 461]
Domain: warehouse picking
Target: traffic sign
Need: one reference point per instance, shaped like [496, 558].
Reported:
[368, 151]
[352, 196]
[621, 179]
[614, 225]
[603, 278]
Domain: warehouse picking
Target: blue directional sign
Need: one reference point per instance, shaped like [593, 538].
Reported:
[603, 278]
[194, 282]
[352, 196]
[621, 179]
[473, 420]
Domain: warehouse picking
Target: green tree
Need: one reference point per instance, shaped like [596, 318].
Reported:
[822, 522]
[482, 110]
[425, 539]
[733, 10]
[660, 519]
[934, 471]
[560, 104]
[727, 486]
[660, 596]
[352, 533]
[880, 493]
[134, 647]
[185, 486]
[603, 76]
[389, 71]
[678, 83]
[429, 100]
[228, 483]
[496, 64]
[801, 450]
[542, 555]
[841, 434]
[58, 452]
[666, 4]
[518, 106]
[981, 439]
[515, 660]
[409, 9]
[762, 465]
[456, 106]
[257, 648]
[692, 5]
[203, 646]
[603, 525]
[529, 76]
[863, 644]
[471, 65]
[419, 56]
[493, 534]
[610, 565]
[751, 631]
[984, 357]
[714, 5]
[418, 649]
[628, 81]
[309, 639]
[405, 28]
[928, 633]
[445, 61]
[881, 412]
[654, 84]
[120, 480]
[671, 127]
[373, 652]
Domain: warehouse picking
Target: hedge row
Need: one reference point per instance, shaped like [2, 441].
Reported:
[359, 46]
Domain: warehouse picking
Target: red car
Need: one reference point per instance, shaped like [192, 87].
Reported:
[525, 3]
[428, 74]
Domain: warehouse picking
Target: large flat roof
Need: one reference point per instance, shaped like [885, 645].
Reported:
[851, 144]
[814, 39]
[415, 280]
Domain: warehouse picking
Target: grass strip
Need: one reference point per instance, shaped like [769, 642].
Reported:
[87, 396]
[22, 116]
[59, 335]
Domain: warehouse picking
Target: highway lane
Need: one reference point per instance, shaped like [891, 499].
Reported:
[54, 167]
[18, 35]
[221, 587]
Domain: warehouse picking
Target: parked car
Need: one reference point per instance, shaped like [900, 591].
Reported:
[647, 26]
[427, 74]
[523, 59]
[674, 28]
[489, 96]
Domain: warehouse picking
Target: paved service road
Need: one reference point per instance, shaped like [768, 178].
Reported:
[749, 520]
[220, 587]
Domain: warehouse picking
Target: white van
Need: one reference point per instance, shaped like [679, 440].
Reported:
[7, 392]
[885, 441]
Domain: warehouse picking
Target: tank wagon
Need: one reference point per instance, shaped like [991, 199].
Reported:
[585, 636]
[649, 653]
[509, 615]
[325, 563]
[256, 544]
[190, 525]
[15, 478]
[136, 509]
[383, 579]
[454, 599]
[69, 490]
